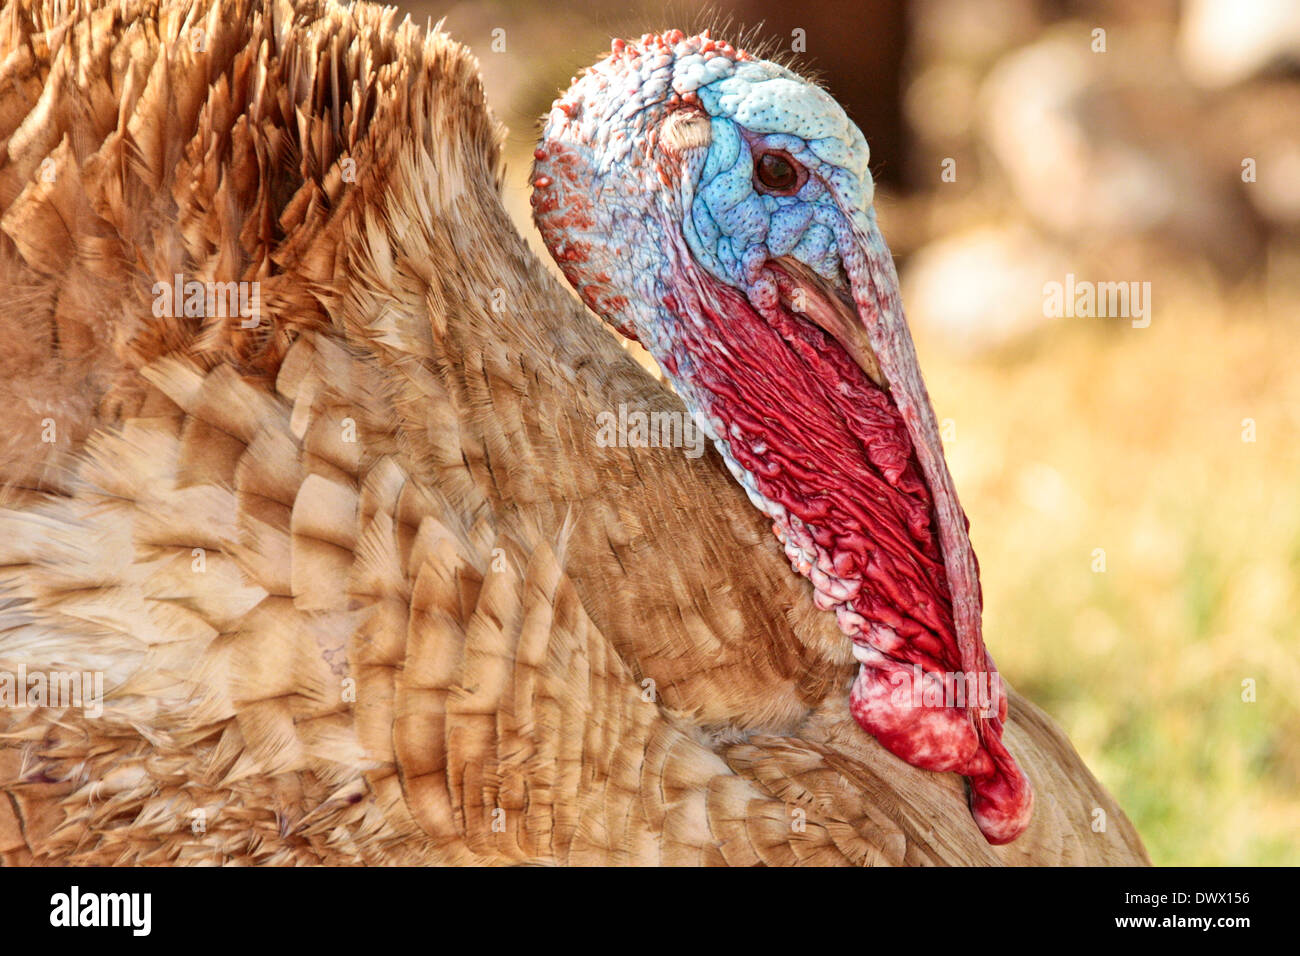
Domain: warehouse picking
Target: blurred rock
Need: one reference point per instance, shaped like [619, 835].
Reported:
[1222, 42]
[1260, 120]
[981, 289]
[970, 32]
[1114, 144]
[940, 102]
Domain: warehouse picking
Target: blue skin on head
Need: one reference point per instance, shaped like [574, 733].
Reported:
[762, 107]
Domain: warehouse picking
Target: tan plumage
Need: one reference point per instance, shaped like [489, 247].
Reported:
[362, 586]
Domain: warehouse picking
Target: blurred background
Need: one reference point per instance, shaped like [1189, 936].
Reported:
[1134, 492]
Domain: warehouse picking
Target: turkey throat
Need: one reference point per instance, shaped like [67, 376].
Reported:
[821, 415]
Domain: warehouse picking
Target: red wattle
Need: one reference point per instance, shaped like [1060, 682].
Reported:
[828, 446]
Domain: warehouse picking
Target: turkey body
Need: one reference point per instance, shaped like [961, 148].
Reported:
[361, 584]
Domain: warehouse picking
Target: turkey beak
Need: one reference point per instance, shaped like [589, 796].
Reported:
[866, 318]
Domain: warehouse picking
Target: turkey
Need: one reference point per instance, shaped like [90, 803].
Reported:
[309, 552]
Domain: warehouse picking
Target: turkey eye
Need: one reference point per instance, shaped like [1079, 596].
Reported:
[778, 173]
